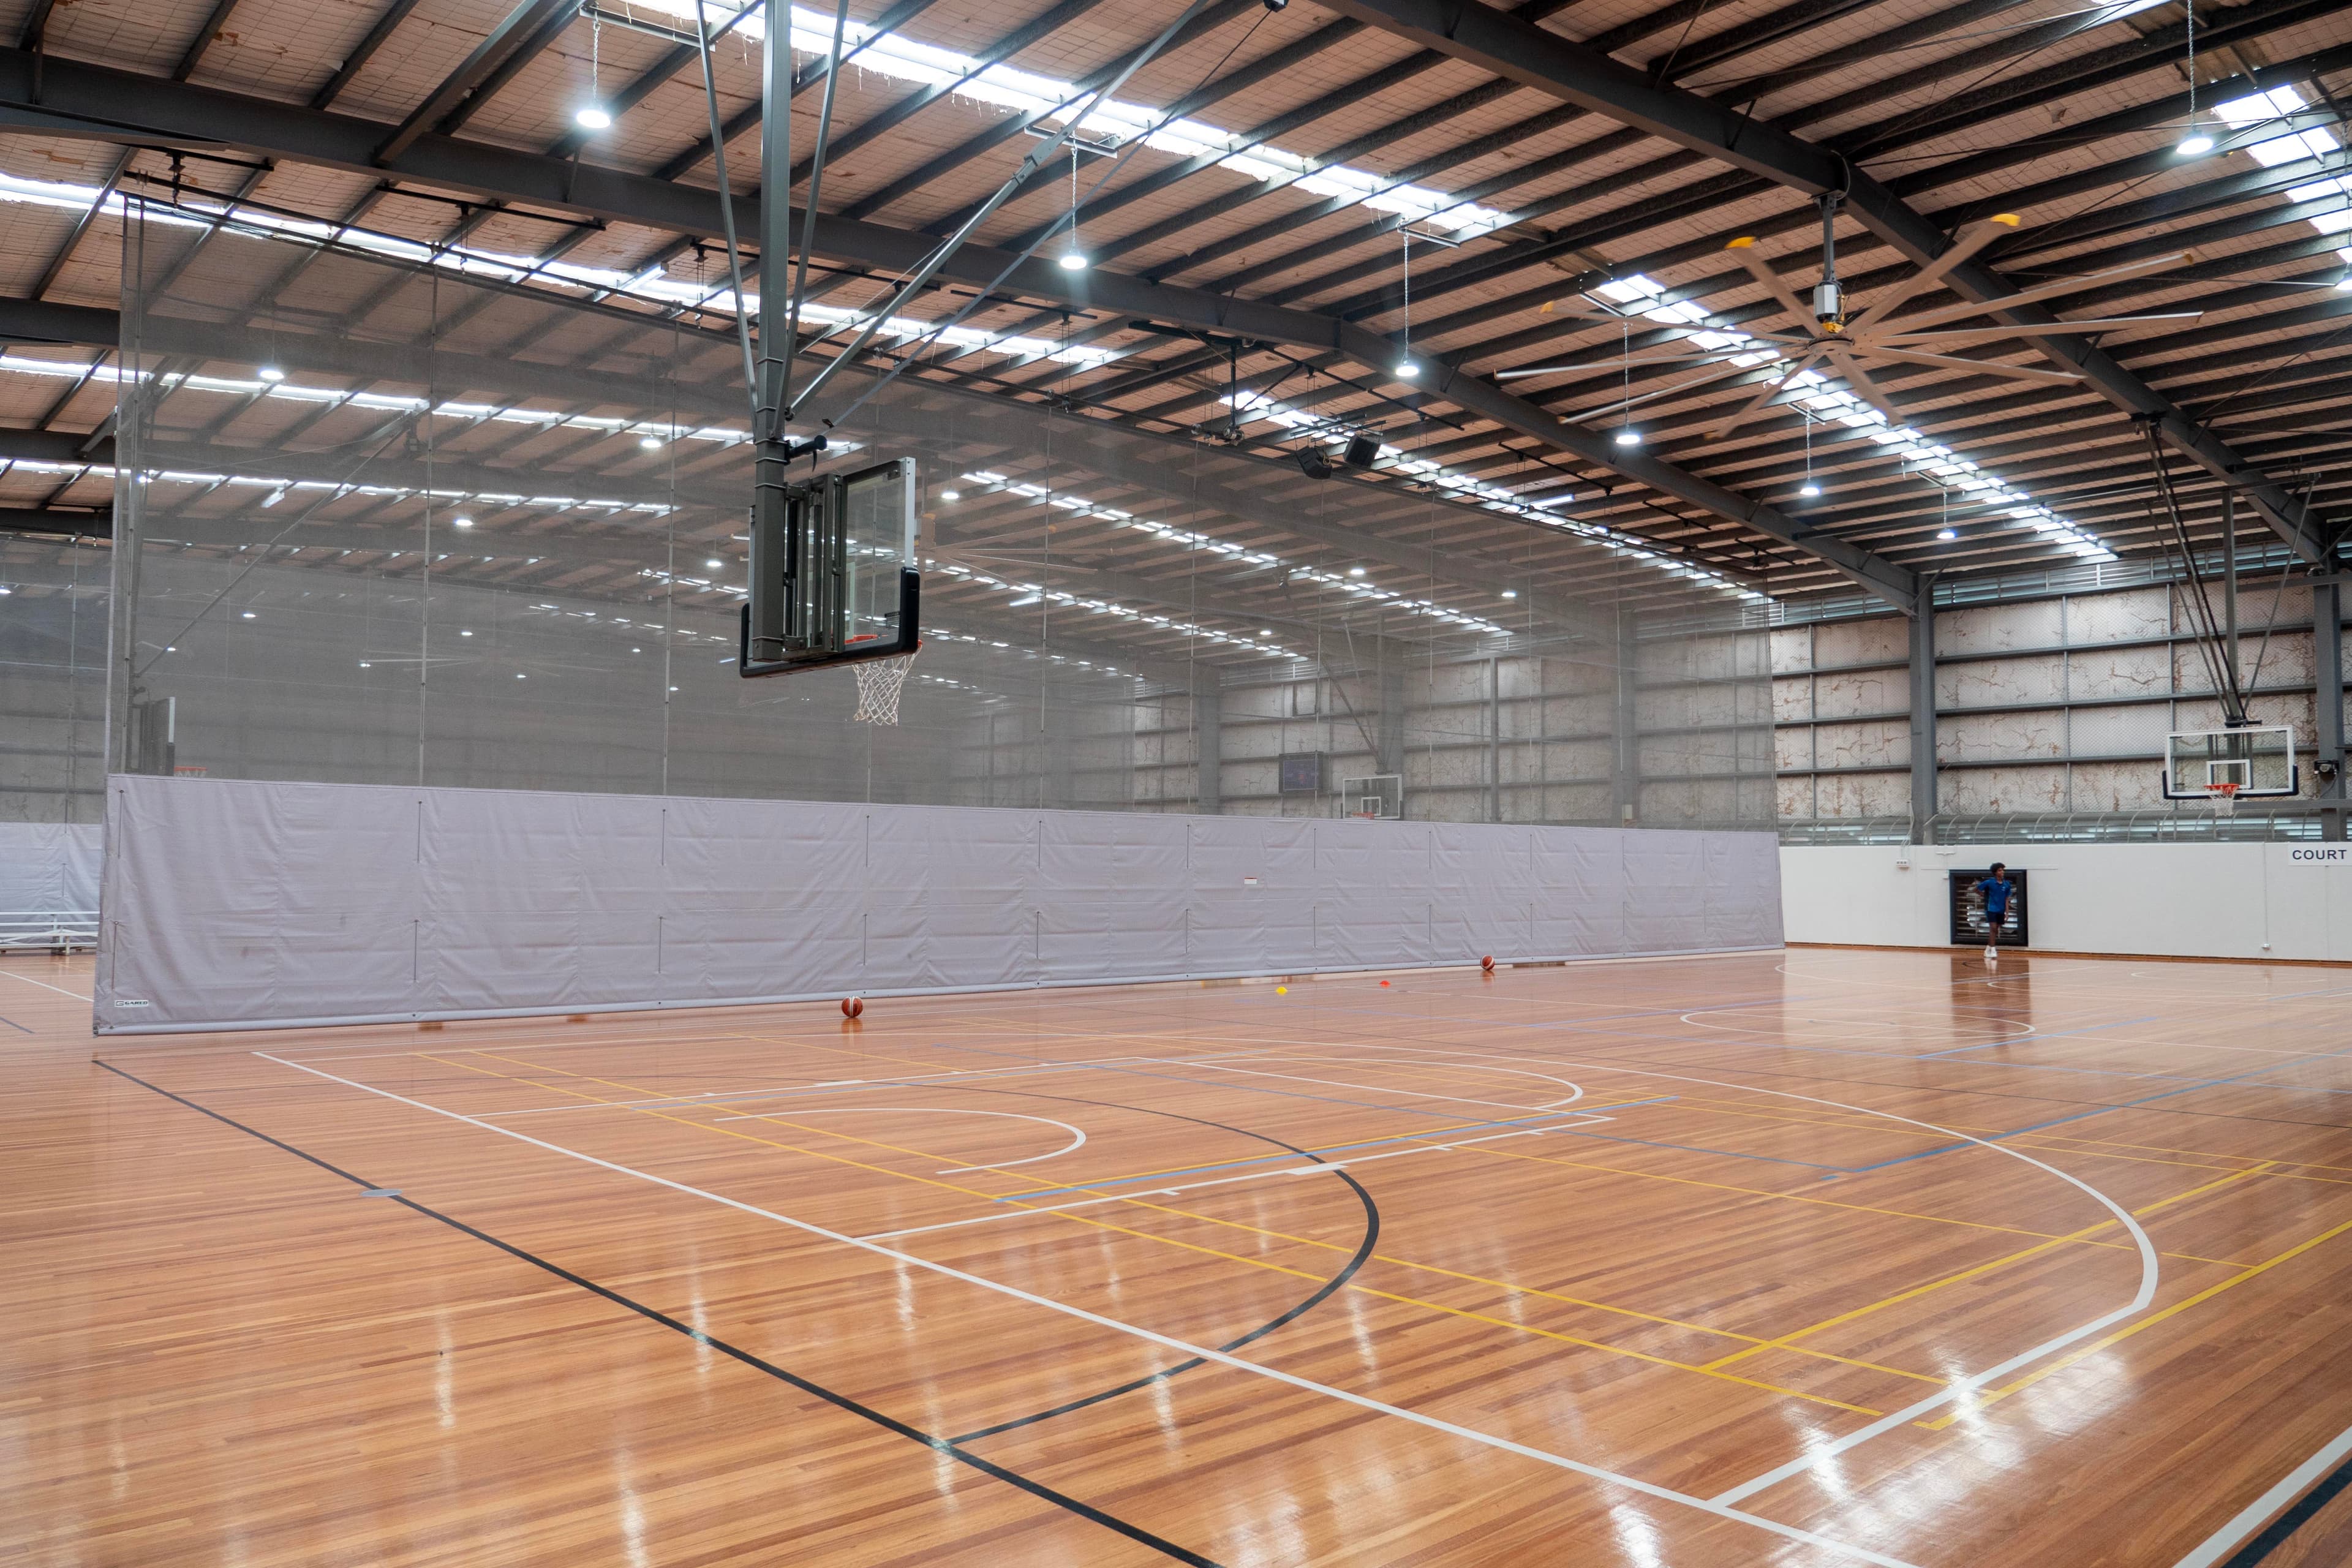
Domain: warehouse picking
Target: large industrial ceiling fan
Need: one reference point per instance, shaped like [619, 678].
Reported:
[1827, 338]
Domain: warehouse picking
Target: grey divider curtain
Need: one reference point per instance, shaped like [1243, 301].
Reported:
[49, 868]
[248, 904]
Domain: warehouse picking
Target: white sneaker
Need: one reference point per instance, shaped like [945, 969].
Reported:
[1993, 954]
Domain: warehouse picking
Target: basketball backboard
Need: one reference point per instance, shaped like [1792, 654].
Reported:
[1374, 795]
[833, 574]
[2259, 759]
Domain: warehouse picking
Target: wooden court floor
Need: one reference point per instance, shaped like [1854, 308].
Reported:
[1824, 1257]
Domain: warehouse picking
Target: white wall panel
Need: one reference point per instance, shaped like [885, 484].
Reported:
[244, 904]
[2190, 900]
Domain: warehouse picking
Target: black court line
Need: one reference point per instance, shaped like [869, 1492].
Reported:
[1322, 1293]
[840, 1401]
[14, 1024]
[2294, 1519]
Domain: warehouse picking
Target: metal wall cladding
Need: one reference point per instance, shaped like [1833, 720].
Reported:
[251, 904]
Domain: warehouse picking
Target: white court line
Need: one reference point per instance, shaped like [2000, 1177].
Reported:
[1078, 1138]
[44, 985]
[1968, 1384]
[1166, 1342]
[2255, 1514]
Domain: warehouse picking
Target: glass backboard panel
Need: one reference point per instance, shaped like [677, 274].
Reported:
[2259, 759]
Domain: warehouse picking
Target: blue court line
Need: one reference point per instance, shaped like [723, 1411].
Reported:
[1335, 1149]
[14, 1024]
[2022, 1039]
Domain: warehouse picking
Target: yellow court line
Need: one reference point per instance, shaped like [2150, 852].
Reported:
[1549, 1296]
[1105, 1225]
[2063, 1363]
[1786, 1341]
[1490, 1150]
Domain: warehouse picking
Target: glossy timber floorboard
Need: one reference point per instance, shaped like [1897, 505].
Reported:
[1813, 1259]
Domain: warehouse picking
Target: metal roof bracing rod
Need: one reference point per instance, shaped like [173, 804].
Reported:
[1517, 50]
[88, 102]
[1037, 158]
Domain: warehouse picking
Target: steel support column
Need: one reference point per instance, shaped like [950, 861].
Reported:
[1923, 718]
[1625, 768]
[2327, 705]
[1389, 735]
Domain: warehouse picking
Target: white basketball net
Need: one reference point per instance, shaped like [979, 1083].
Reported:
[2222, 798]
[880, 681]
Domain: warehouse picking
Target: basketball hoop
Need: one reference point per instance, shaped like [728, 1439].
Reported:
[2223, 797]
[880, 681]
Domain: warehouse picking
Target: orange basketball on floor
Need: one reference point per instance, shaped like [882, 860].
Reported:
[1487, 964]
[852, 1007]
[1384, 983]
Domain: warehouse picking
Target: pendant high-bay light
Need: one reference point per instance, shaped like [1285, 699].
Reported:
[1405, 365]
[593, 115]
[1626, 435]
[2196, 142]
[1074, 259]
[1809, 488]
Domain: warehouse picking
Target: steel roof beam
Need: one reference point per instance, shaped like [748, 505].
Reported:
[98, 103]
[1509, 47]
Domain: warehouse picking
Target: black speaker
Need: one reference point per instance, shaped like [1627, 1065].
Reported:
[1362, 450]
[1311, 464]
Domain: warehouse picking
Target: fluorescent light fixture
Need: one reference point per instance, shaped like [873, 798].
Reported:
[1355, 571]
[522, 678]
[1628, 437]
[1945, 533]
[366, 664]
[1510, 593]
[245, 615]
[714, 564]
[461, 523]
[1262, 631]
[951, 495]
[270, 372]
[1074, 261]
[593, 117]
[650, 443]
[465, 634]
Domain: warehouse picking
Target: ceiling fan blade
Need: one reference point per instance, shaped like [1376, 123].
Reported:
[1971, 240]
[1859, 380]
[1701, 357]
[1761, 398]
[2043, 329]
[1743, 250]
[2039, 291]
[1986, 367]
[1577, 305]
[1684, 384]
